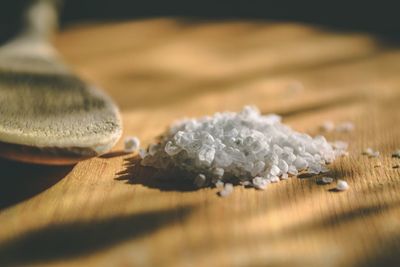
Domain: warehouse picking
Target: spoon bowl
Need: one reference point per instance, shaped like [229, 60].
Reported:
[47, 114]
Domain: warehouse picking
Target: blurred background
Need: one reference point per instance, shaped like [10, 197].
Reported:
[377, 17]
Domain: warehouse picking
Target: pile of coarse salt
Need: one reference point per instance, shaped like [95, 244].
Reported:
[244, 147]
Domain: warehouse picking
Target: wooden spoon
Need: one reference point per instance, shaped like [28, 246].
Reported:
[47, 114]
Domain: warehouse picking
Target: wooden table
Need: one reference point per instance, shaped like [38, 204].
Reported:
[100, 213]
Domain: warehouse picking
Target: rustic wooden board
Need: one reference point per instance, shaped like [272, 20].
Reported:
[101, 212]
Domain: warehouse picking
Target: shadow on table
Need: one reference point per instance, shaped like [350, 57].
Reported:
[387, 255]
[68, 240]
[20, 181]
[134, 174]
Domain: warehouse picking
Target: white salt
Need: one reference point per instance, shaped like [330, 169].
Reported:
[131, 144]
[342, 185]
[242, 146]
[200, 180]
[371, 153]
[375, 154]
[326, 180]
[219, 184]
[327, 126]
[260, 183]
[142, 153]
[218, 172]
[274, 179]
[284, 176]
[228, 189]
[345, 127]
[300, 163]
[340, 148]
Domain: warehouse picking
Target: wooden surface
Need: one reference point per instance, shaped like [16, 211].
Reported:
[103, 212]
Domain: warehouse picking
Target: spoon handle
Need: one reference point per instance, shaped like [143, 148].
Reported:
[32, 45]
[41, 19]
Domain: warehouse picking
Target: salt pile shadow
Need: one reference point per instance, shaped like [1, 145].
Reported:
[136, 174]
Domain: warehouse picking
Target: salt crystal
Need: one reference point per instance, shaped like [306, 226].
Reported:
[342, 185]
[131, 144]
[327, 126]
[324, 169]
[218, 172]
[368, 151]
[375, 154]
[170, 148]
[257, 168]
[274, 170]
[206, 155]
[241, 146]
[371, 153]
[340, 145]
[260, 183]
[219, 184]
[345, 127]
[245, 183]
[200, 180]
[228, 189]
[153, 148]
[273, 179]
[326, 180]
[284, 176]
[142, 153]
[300, 163]
[292, 170]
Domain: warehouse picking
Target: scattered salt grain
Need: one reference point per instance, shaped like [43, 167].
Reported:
[131, 144]
[396, 154]
[219, 184]
[246, 183]
[327, 126]
[340, 148]
[345, 127]
[342, 185]
[228, 189]
[368, 151]
[326, 180]
[371, 153]
[375, 154]
[242, 146]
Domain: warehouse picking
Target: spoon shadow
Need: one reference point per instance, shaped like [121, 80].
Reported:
[21, 181]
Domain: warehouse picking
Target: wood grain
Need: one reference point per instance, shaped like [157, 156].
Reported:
[103, 212]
